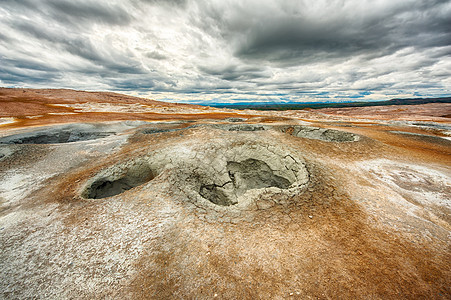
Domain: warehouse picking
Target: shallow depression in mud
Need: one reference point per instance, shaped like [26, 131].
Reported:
[57, 135]
[113, 183]
[59, 138]
[235, 127]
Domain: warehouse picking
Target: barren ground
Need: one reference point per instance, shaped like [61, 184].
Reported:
[108, 196]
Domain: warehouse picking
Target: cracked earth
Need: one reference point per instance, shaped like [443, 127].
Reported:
[221, 204]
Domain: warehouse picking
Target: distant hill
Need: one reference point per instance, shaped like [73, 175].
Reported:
[297, 106]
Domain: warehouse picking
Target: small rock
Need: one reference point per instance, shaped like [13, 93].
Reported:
[311, 217]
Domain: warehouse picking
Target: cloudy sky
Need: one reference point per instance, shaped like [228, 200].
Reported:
[230, 50]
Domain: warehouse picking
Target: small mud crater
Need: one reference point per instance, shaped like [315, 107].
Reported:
[59, 138]
[245, 127]
[328, 135]
[235, 120]
[157, 130]
[236, 127]
[57, 135]
[154, 130]
[117, 180]
[167, 127]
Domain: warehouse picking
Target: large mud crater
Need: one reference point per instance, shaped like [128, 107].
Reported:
[246, 175]
[236, 174]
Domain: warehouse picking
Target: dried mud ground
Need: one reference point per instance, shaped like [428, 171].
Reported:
[126, 198]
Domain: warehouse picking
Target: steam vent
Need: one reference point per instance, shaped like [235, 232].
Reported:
[110, 199]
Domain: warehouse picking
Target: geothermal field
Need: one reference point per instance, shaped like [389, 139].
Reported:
[107, 196]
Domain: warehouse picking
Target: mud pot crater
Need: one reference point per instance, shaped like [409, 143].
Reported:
[117, 179]
[235, 175]
[241, 127]
[316, 133]
[58, 135]
[249, 174]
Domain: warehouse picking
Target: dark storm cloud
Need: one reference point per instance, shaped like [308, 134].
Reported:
[4, 38]
[18, 4]
[72, 12]
[164, 2]
[133, 84]
[25, 72]
[382, 32]
[28, 64]
[295, 38]
[235, 72]
[76, 12]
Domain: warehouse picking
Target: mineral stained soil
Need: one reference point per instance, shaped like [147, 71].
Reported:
[109, 196]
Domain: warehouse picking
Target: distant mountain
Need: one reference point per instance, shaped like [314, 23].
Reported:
[296, 106]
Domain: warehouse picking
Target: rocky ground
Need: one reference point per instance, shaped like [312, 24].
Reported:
[109, 196]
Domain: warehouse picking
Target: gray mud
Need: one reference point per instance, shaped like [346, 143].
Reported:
[59, 135]
[231, 169]
[316, 133]
[246, 175]
[310, 132]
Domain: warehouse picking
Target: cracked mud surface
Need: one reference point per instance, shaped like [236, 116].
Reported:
[176, 210]
[328, 135]
[246, 175]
